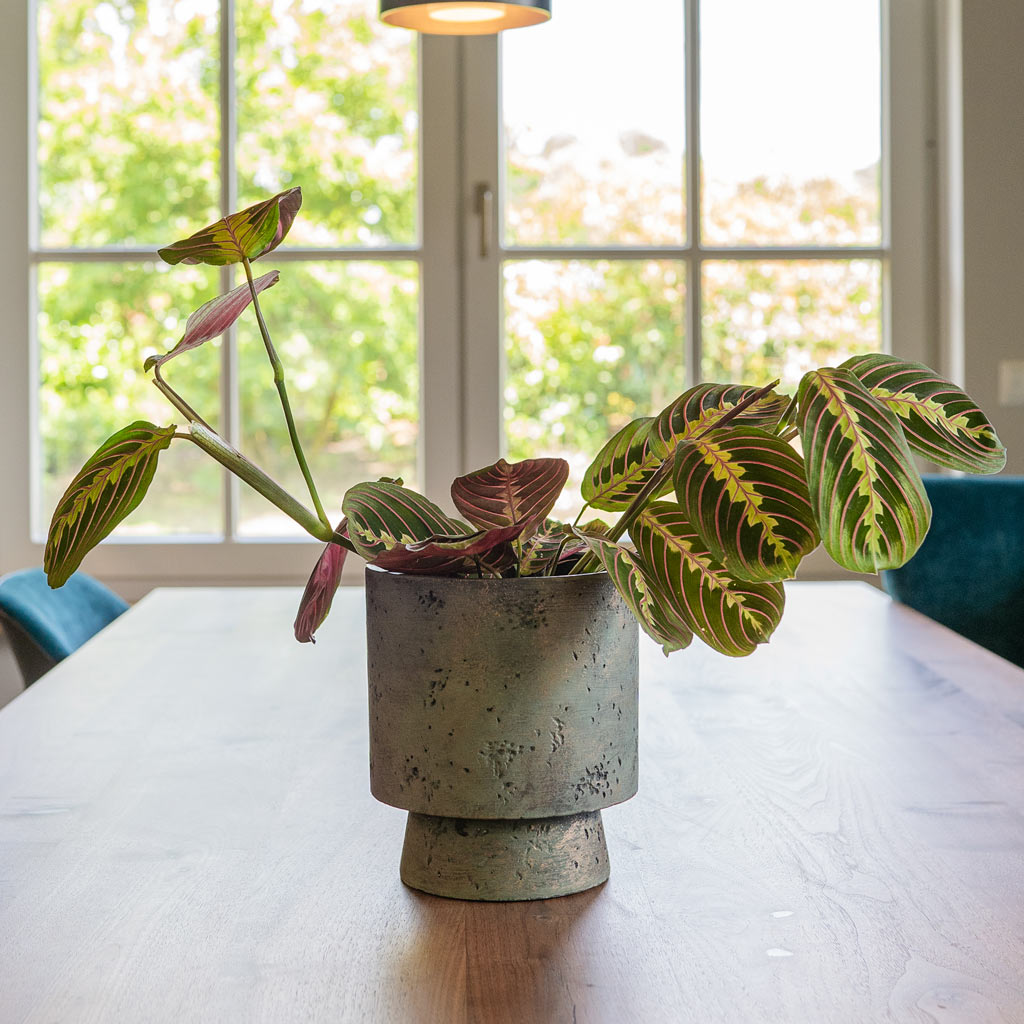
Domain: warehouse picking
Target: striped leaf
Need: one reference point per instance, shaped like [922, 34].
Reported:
[107, 489]
[729, 615]
[320, 589]
[383, 514]
[652, 610]
[621, 468]
[451, 555]
[510, 494]
[701, 407]
[550, 546]
[939, 420]
[744, 491]
[248, 234]
[866, 493]
[215, 317]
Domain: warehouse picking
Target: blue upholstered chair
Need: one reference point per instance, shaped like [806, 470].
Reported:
[969, 573]
[44, 625]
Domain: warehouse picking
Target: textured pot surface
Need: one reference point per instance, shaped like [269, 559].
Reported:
[501, 698]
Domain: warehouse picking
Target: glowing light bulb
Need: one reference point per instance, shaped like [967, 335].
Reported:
[466, 14]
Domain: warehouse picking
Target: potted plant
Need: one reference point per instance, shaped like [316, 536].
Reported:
[502, 644]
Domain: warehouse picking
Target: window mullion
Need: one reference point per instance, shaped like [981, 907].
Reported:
[692, 340]
[230, 418]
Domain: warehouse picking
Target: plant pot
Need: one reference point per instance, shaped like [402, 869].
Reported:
[503, 717]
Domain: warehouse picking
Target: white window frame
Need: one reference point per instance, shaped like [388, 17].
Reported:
[460, 289]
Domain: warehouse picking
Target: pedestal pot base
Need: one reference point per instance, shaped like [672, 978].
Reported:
[504, 859]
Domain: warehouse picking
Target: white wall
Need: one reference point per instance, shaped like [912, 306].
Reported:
[992, 33]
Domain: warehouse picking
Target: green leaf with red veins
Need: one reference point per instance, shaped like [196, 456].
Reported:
[383, 514]
[107, 488]
[732, 616]
[248, 234]
[214, 317]
[939, 420]
[701, 407]
[510, 494]
[744, 491]
[621, 468]
[640, 592]
[866, 493]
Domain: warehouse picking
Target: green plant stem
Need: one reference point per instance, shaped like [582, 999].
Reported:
[248, 472]
[278, 368]
[589, 563]
[176, 400]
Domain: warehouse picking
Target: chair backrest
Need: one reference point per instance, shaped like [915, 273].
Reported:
[969, 572]
[45, 625]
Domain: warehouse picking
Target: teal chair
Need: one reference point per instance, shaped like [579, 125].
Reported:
[969, 572]
[45, 626]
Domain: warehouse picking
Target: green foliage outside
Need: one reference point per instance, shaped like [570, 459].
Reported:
[129, 155]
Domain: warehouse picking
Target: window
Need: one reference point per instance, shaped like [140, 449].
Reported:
[495, 254]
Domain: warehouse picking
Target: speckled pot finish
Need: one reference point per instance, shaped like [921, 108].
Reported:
[501, 701]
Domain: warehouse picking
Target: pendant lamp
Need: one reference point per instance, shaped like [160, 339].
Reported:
[464, 17]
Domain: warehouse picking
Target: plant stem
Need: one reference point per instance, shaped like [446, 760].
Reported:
[278, 368]
[216, 447]
[176, 400]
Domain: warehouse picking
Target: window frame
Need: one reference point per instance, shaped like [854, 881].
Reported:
[460, 289]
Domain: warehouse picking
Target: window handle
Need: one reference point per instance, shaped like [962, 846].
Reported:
[485, 211]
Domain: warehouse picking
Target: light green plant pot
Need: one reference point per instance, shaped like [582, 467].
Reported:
[503, 717]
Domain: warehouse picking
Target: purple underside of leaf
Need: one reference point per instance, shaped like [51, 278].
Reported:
[214, 317]
[506, 493]
[320, 590]
[445, 555]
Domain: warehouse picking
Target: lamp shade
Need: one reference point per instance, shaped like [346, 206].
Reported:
[464, 17]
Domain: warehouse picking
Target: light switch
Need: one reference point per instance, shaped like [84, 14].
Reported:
[1011, 382]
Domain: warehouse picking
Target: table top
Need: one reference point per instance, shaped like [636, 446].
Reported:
[829, 830]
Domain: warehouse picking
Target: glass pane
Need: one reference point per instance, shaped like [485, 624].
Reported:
[768, 320]
[128, 122]
[327, 99]
[589, 346]
[347, 334]
[791, 122]
[98, 322]
[594, 123]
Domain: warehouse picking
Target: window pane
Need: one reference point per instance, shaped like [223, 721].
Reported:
[97, 324]
[327, 99]
[589, 345]
[594, 124]
[347, 334]
[791, 122]
[780, 319]
[128, 123]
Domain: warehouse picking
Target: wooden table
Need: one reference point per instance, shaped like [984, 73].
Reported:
[830, 830]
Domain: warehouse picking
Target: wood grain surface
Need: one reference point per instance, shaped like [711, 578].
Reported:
[831, 830]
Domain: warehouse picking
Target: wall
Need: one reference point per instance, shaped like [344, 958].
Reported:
[992, 33]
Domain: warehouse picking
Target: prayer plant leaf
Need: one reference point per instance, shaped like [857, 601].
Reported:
[214, 317]
[320, 589]
[107, 489]
[867, 495]
[732, 616]
[701, 407]
[652, 610]
[510, 494]
[622, 467]
[383, 514]
[939, 421]
[744, 491]
[553, 544]
[448, 555]
[248, 234]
